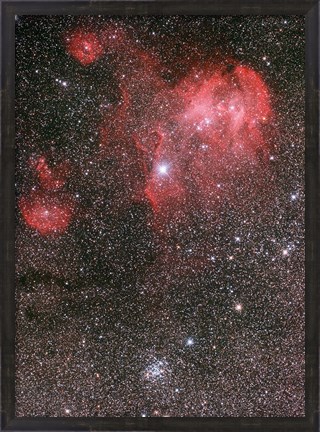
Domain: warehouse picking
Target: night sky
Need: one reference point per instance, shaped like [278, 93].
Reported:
[160, 216]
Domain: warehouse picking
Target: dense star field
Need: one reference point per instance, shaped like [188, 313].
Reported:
[160, 216]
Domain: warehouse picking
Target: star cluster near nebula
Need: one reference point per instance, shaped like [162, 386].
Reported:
[160, 216]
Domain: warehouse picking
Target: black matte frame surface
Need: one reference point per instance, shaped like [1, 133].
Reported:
[308, 8]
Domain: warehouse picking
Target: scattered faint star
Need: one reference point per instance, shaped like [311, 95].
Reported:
[238, 307]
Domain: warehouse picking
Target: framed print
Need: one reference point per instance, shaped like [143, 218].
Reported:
[160, 215]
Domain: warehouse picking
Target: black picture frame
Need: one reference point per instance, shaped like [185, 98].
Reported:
[308, 8]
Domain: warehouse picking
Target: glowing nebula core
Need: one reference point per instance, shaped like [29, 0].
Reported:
[228, 108]
[219, 130]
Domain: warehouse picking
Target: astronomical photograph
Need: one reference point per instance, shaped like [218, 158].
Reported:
[160, 200]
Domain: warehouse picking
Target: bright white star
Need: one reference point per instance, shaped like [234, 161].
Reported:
[190, 342]
[163, 169]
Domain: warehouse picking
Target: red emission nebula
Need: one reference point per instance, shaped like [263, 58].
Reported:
[84, 46]
[47, 212]
[185, 138]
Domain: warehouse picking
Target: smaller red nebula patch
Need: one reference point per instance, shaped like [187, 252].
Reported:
[47, 212]
[84, 46]
[52, 178]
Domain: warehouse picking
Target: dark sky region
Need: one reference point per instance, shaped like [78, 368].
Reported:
[160, 216]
